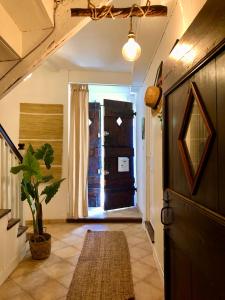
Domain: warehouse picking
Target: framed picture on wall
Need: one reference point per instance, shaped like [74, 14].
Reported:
[158, 77]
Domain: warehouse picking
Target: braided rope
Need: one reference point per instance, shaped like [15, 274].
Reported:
[108, 10]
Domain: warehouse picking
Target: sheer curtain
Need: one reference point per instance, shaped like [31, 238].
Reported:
[78, 151]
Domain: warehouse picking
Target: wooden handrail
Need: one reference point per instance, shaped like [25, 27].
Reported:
[5, 136]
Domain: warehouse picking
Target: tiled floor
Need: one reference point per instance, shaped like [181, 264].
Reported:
[129, 212]
[50, 279]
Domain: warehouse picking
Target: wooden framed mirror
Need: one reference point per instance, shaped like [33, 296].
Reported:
[195, 137]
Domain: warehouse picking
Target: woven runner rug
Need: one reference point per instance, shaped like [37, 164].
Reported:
[103, 270]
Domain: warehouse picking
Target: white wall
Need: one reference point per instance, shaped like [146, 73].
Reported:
[140, 154]
[42, 87]
[183, 14]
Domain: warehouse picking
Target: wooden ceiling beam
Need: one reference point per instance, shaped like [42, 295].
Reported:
[152, 11]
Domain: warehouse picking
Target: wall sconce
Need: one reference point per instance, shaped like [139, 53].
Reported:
[131, 50]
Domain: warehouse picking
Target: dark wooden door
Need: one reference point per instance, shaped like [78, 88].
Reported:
[119, 154]
[194, 167]
[94, 172]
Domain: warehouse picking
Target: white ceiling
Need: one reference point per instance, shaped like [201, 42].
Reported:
[98, 45]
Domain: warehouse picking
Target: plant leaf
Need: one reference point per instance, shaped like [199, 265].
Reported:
[17, 169]
[32, 167]
[46, 154]
[45, 179]
[30, 149]
[51, 190]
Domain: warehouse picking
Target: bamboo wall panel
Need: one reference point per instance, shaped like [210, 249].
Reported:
[41, 108]
[56, 145]
[56, 171]
[40, 124]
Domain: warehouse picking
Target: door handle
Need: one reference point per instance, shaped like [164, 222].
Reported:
[167, 216]
[106, 133]
[106, 172]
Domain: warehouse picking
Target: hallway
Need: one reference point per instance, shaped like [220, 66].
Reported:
[50, 279]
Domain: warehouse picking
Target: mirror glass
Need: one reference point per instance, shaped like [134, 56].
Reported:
[196, 136]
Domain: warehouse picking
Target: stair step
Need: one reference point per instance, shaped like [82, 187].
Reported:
[12, 222]
[21, 230]
[4, 212]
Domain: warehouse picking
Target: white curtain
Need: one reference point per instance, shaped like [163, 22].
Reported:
[78, 151]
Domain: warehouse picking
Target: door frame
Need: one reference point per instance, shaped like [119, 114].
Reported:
[172, 80]
[132, 100]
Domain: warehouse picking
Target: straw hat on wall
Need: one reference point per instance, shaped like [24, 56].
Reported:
[153, 97]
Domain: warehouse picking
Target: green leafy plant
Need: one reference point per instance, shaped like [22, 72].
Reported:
[33, 180]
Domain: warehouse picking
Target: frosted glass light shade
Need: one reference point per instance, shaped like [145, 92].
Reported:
[131, 50]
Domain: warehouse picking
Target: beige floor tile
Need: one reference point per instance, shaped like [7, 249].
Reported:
[26, 266]
[144, 291]
[96, 227]
[58, 244]
[73, 260]
[73, 240]
[80, 231]
[141, 270]
[133, 240]
[155, 280]
[53, 259]
[138, 253]
[54, 274]
[66, 280]
[145, 245]
[148, 260]
[22, 296]
[60, 234]
[9, 289]
[51, 290]
[59, 269]
[135, 279]
[66, 252]
[31, 280]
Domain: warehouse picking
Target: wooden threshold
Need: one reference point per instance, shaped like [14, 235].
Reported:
[105, 220]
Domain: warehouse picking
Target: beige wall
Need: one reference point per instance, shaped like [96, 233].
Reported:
[42, 87]
[50, 86]
[183, 14]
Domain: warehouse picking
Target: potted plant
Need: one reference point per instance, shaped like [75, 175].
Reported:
[37, 188]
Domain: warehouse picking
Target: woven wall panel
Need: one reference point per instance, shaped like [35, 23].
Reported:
[43, 126]
[41, 108]
[40, 124]
[56, 171]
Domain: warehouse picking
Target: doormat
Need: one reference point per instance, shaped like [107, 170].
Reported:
[103, 270]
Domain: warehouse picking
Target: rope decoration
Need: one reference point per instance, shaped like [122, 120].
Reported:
[107, 10]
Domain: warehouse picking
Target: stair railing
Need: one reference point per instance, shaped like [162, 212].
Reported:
[10, 192]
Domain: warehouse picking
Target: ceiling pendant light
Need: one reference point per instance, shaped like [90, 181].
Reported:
[131, 50]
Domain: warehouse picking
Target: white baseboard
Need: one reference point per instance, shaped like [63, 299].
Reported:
[158, 265]
[155, 256]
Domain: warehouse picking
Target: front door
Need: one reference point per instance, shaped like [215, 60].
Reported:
[119, 154]
[194, 178]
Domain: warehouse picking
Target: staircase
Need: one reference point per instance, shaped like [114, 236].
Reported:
[12, 229]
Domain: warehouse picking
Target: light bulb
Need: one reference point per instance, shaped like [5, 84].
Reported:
[131, 50]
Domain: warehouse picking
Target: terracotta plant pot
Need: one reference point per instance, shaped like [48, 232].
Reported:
[40, 246]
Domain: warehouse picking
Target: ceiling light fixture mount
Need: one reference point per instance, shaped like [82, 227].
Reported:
[98, 13]
[131, 50]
